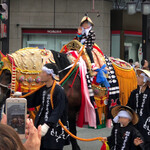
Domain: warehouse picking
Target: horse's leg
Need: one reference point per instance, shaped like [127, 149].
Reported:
[72, 126]
[74, 101]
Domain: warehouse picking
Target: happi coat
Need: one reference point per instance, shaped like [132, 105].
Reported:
[56, 137]
[140, 103]
[122, 138]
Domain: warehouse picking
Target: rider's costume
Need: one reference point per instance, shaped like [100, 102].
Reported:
[87, 37]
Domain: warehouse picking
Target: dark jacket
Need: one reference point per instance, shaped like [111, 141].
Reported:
[122, 138]
[140, 103]
[55, 137]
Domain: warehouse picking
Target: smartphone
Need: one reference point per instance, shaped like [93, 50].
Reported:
[16, 110]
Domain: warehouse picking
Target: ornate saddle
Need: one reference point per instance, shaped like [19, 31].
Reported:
[98, 55]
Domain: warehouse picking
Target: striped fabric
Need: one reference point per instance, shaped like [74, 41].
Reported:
[114, 87]
[89, 39]
[88, 79]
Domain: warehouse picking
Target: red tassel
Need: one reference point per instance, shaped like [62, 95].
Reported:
[66, 50]
[103, 147]
[29, 90]
[31, 109]
[95, 106]
[19, 87]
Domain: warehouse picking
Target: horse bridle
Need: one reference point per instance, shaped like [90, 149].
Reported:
[5, 86]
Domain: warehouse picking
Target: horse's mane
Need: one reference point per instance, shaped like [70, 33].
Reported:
[61, 60]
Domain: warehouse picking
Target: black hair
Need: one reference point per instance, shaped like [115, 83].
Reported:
[86, 22]
[130, 60]
[142, 62]
[52, 66]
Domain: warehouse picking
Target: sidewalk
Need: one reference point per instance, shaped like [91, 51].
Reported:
[90, 133]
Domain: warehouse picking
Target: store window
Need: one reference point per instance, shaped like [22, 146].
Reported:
[115, 44]
[132, 44]
[52, 39]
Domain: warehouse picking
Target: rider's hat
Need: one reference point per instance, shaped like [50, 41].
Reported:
[86, 18]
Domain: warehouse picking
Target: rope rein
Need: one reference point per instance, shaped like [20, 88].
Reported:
[61, 124]
[82, 48]
[64, 79]
[74, 78]
[62, 82]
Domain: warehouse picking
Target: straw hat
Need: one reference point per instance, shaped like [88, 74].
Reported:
[115, 110]
[86, 18]
[146, 72]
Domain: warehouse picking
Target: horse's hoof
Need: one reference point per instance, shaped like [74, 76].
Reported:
[76, 147]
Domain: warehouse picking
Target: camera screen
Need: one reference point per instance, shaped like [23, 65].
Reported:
[16, 116]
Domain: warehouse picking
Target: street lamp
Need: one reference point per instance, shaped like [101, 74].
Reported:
[146, 8]
[131, 7]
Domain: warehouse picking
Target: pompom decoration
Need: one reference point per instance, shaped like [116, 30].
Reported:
[96, 91]
[38, 79]
[21, 78]
[29, 79]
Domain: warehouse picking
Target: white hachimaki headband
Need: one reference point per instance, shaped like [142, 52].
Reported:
[124, 114]
[49, 71]
[145, 79]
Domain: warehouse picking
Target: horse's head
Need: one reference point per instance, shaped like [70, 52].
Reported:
[5, 78]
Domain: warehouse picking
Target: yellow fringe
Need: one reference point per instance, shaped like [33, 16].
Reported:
[28, 71]
[127, 83]
[101, 108]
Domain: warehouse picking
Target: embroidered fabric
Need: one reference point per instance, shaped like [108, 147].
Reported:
[143, 103]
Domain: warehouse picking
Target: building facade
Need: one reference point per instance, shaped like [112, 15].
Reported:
[126, 35]
[52, 23]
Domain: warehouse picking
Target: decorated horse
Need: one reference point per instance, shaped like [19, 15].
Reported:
[20, 71]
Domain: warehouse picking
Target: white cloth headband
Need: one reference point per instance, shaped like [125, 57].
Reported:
[49, 71]
[145, 77]
[124, 114]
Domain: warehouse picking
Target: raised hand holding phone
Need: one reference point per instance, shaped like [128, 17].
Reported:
[16, 110]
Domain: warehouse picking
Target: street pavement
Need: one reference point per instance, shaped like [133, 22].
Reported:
[90, 133]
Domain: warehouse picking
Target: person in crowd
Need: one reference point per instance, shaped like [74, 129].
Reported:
[131, 62]
[86, 36]
[139, 101]
[145, 64]
[53, 135]
[10, 140]
[124, 135]
[136, 65]
[149, 82]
